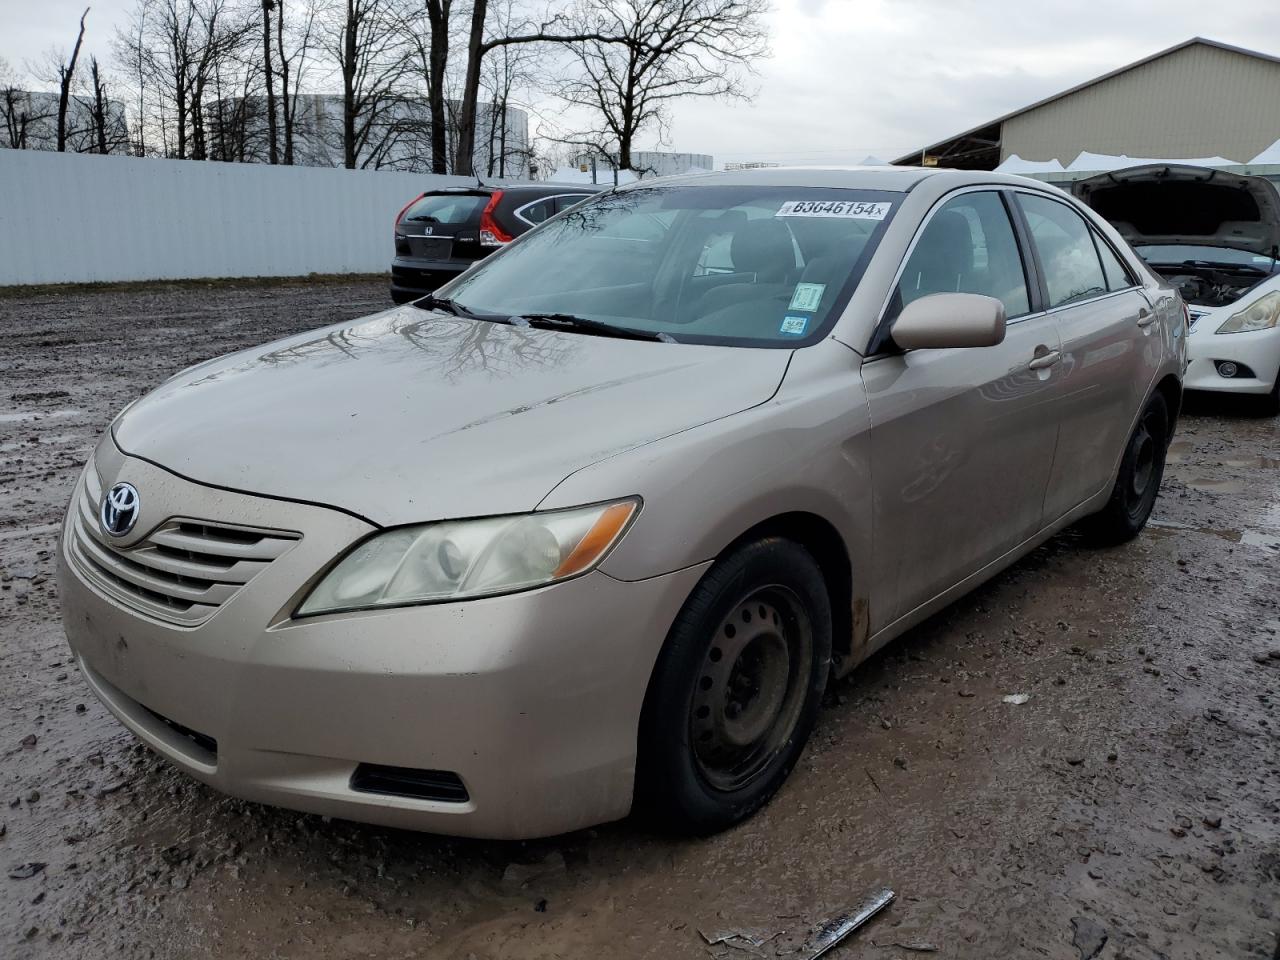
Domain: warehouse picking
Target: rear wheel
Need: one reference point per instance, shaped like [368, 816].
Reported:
[736, 689]
[1138, 482]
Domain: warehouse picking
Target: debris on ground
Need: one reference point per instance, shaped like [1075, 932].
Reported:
[821, 937]
[1017, 699]
[1088, 937]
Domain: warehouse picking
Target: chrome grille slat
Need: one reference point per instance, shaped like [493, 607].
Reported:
[238, 572]
[266, 549]
[121, 565]
[182, 571]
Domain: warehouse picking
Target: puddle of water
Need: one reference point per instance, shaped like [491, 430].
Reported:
[29, 532]
[20, 415]
[1167, 527]
[1265, 463]
[1179, 450]
[1215, 485]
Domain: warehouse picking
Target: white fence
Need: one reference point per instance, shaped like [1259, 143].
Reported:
[68, 217]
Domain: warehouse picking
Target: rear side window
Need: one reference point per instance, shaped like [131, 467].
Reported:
[1118, 276]
[968, 246]
[1072, 270]
[446, 208]
[538, 211]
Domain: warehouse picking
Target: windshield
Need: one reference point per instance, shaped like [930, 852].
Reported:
[445, 207]
[749, 266]
[1176, 253]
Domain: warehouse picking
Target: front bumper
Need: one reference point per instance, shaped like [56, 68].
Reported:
[1259, 351]
[532, 700]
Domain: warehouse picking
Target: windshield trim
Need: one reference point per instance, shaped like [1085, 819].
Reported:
[821, 331]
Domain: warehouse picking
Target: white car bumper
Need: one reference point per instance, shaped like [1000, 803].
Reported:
[1259, 352]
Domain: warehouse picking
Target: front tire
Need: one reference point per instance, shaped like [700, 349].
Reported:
[1138, 483]
[736, 689]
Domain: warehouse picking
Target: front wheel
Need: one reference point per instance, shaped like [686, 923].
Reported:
[736, 689]
[1138, 483]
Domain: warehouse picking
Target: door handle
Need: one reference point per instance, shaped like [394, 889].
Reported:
[1146, 317]
[1045, 360]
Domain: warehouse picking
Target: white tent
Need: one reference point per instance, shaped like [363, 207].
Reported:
[1103, 161]
[1015, 164]
[1269, 155]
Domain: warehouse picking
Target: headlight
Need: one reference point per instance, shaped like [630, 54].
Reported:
[457, 560]
[1262, 314]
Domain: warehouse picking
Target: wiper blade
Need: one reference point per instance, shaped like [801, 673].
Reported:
[1224, 265]
[569, 321]
[424, 217]
[432, 302]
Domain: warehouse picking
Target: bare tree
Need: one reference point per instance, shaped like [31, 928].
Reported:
[18, 113]
[273, 153]
[654, 52]
[367, 43]
[293, 59]
[66, 76]
[179, 50]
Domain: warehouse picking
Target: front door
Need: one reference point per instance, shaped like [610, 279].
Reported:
[963, 439]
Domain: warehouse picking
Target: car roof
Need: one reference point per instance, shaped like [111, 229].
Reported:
[900, 179]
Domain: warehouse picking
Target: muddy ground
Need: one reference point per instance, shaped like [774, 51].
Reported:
[1134, 796]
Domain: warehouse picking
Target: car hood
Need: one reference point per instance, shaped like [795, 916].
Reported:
[410, 416]
[1168, 203]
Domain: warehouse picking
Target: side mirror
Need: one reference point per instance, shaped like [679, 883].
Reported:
[949, 320]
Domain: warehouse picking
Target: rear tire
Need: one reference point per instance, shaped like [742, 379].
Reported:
[736, 690]
[1138, 483]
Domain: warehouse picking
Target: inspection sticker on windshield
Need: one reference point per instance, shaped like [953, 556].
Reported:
[793, 325]
[807, 296]
[848, 209]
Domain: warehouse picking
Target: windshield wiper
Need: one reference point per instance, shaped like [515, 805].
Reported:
[600, 328]
[1224, 265]
[432, 302]
[424, 216]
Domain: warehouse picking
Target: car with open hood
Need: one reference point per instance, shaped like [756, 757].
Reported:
[1215, 236]
[593, 525]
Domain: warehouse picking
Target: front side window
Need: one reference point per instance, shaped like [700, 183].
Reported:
[1072, 270]
[739, 265]
[968, 246]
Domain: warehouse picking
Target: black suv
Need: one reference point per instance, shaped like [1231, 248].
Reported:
[442, 232]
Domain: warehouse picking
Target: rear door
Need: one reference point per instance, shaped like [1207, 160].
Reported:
[963, 439]
[1104, 321]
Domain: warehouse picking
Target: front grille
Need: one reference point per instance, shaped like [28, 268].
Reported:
[183, 571]
[438, 785]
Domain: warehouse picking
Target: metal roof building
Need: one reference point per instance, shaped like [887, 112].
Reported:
[1200, 98]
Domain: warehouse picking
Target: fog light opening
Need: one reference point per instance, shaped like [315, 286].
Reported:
[1231, 370]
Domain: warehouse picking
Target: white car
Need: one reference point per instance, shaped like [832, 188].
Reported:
[1216, 237]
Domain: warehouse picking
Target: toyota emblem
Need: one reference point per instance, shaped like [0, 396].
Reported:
[119, 509]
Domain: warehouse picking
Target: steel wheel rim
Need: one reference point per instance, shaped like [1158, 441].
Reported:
[752, 687]
[1145, 466]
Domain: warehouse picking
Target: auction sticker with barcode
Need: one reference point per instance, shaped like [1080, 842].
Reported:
[848, 209]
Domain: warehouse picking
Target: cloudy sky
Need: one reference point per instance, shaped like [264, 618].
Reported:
[849, 78]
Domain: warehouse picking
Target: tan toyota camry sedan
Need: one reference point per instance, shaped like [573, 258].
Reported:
[592, 527]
